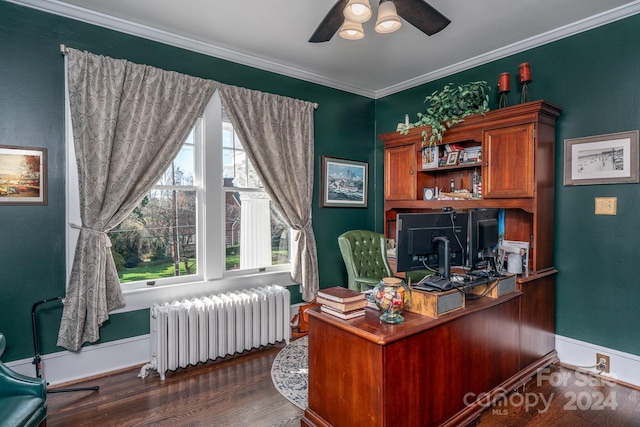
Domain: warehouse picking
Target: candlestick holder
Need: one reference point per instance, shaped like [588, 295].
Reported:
[503, 100]
[524, 96]
[504, 86]
[525, 78]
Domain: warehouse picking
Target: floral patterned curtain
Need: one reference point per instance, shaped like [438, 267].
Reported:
[277, 134]
[129, 122]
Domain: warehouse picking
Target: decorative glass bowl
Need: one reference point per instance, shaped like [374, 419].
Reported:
[392, 296]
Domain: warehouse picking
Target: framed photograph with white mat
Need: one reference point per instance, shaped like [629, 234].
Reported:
[601, 159]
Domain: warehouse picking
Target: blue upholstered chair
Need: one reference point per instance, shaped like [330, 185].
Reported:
[23, 400]
[365, 258]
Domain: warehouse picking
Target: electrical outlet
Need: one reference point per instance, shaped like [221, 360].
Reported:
[606, 205]
[602, 363]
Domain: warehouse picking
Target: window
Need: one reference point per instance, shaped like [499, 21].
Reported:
[256, 235]
[208, 217]
[158, 239]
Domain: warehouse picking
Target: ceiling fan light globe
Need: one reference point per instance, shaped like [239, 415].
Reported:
[351, 30]
[388, 19]
[358, 11]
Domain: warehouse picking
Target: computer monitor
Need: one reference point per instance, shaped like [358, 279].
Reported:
[431, 240]
[483, 237]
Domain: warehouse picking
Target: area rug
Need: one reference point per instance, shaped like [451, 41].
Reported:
[290, 372]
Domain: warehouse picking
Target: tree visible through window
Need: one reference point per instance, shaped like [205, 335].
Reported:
[159, 239]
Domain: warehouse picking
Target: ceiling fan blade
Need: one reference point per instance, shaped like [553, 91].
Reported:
[421, 15]
[330, 24]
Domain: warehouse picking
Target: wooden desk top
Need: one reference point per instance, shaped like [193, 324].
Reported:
[371, 328]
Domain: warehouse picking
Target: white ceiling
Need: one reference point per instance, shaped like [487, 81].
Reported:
[273, 35]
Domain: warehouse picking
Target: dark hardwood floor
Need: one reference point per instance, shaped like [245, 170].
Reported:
[238, 391]
[235, 391]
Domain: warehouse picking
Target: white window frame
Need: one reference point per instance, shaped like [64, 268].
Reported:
[211, 277]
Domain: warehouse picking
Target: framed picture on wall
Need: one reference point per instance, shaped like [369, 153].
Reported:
[23, 175]
[344, 183]
[602, 159]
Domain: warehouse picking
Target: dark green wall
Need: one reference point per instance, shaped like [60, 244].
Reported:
[32, 239]
[593, 77]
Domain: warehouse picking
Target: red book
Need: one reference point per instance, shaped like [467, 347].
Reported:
[340, 294]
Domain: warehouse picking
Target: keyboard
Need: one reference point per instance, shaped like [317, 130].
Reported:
[437, 283]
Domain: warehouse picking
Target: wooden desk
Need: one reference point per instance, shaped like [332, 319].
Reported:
[423, 372]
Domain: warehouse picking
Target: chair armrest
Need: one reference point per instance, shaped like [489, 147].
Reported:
[13, 383]
[365, 283]
[368, 280]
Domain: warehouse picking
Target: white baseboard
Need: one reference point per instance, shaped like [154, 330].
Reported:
[624, 367]
[64, 366]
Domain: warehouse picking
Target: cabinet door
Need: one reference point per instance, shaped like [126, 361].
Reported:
[400, 172]
[509, 157]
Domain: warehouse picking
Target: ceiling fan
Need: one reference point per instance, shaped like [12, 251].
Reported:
[416, 12]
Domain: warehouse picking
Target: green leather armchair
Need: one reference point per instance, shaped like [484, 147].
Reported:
[23, 400]
[365, 257]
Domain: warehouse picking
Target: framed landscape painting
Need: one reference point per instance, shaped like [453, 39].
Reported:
[344, 183]
[602, 159]
[23, 175]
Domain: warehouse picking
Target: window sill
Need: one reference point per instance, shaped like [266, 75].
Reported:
[140, 299]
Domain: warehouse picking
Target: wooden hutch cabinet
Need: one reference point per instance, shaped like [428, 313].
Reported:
[512, 146]
[422, 372]
[516, 168]
[399, 172]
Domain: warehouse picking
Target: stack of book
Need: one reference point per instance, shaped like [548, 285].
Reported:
[342, 302]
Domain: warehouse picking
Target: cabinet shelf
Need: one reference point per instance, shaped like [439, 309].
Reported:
[460, 166]
[526, 205]
[517, 145]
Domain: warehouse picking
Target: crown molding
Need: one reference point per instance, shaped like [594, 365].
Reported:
[110, 22]
[146, 32]
[586, 24]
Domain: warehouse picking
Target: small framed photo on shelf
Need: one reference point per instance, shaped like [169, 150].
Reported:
[428, 193]
[452, 158]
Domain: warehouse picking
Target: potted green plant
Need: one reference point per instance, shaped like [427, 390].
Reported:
[449, 107]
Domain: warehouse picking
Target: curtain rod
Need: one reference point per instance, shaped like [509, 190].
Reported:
[63, 51]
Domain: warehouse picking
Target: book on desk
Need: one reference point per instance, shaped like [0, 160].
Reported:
[340, 294]
[342, 302]
[345, 315]
[343, 306]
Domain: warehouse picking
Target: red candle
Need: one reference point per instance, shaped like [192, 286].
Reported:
[504, 83]
[525, 72]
